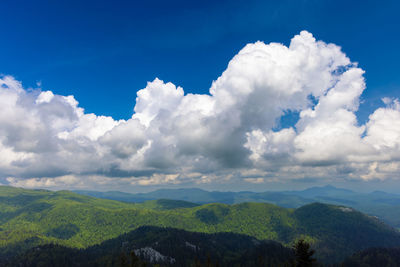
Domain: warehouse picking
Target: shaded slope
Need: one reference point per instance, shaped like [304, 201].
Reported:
[166, 246]
[389, 257]
[338, 230]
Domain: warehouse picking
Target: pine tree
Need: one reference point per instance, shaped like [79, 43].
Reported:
[135, 261]
[304, 254]
[123, 260]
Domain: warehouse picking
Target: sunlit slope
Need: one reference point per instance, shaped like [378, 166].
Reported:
[383, 205]
[80, 221]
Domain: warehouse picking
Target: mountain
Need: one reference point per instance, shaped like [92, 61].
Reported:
[293, 198]
[380, 204]
[167, 204]
[341, 229]
[188, 194]
[166, 246]
[283, 199]
[328, 191]
[29, 218]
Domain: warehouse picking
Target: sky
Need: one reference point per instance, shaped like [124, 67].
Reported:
[221, 95]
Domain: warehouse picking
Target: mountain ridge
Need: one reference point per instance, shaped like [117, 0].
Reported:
[377, 203]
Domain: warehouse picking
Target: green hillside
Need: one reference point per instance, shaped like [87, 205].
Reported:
[33, 217]
[383, 205]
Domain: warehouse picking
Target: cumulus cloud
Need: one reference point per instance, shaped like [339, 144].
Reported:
[231, 133]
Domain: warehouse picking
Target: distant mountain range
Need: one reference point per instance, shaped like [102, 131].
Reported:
[29, 218]
[383, 205]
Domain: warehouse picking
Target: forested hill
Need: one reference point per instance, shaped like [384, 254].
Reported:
[35, 217]
[164, 246]
[154, 246]
[383, 205]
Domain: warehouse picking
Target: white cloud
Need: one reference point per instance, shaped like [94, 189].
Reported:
[255, 180]
[222, 136]
[383, 127]
[44, 97]
[44, 182]
[157, 98]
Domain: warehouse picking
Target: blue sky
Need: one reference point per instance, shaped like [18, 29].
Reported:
[338, 124]
[102, 52]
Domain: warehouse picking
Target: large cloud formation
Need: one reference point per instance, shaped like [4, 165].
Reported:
[233, 132]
